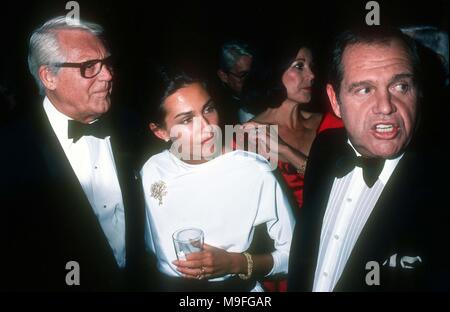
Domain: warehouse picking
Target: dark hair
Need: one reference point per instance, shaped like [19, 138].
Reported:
[370, 35]
[264, 87]
[161, 82]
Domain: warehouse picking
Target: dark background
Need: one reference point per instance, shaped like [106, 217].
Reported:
[192, 31]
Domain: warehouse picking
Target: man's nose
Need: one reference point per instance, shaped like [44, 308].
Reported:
[105, 73]
[384, 104]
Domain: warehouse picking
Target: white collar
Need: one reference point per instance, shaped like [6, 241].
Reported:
[213, 161]
[58, 121]
[389, 165]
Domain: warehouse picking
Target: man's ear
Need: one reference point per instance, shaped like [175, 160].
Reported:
[333, 100]
[159, 132]
[48, 78]
[223, 76]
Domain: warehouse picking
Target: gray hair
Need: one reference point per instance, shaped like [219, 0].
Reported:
[231, 52]
[44, 47]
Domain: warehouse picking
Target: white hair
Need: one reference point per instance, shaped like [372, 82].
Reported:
[44, 47]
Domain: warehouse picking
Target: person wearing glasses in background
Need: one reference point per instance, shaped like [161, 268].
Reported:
[235, 62]
[70, 194]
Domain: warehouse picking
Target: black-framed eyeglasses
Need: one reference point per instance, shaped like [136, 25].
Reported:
[241, 76]
[91, 68]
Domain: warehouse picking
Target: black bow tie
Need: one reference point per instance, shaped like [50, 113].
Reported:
[76, 130]
[371, 167]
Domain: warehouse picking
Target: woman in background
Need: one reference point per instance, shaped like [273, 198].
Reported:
[284, 90]
[281, 89]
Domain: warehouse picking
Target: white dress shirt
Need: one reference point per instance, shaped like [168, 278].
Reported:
[349, 206]
[225, 197]
[93, 163]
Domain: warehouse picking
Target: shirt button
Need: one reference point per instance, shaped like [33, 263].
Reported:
[349, 200]
[336, 236]
[104, 206]
[95, 167]
[325, 274]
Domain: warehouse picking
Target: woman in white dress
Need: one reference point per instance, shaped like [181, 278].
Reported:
[226, 197]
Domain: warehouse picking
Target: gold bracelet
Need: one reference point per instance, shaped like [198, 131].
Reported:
[249, 266]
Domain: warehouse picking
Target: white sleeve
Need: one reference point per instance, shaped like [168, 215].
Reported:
[148, 230]
[274, 210]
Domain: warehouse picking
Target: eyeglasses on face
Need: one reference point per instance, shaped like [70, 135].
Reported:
[91, 68]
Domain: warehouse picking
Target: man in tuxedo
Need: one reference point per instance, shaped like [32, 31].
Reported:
[73, 208]
[375, 214]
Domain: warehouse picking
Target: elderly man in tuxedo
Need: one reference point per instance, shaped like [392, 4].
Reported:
[375, 216]
[73, 210]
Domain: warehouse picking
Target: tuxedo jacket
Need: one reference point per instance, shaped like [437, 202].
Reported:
[47, 221]
[410, 219]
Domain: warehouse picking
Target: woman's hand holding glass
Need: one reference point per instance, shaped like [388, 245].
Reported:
[210, 263]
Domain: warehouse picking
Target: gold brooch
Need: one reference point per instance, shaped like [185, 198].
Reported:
[158, 191]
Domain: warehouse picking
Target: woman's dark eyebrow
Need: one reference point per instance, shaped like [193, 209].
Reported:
[183, 114]
[190, 113]
[207, 103]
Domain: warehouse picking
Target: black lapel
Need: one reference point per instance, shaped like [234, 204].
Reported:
[379, 239]
[319, 179]
[132, 196]
[54, 156]
[76, 211]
